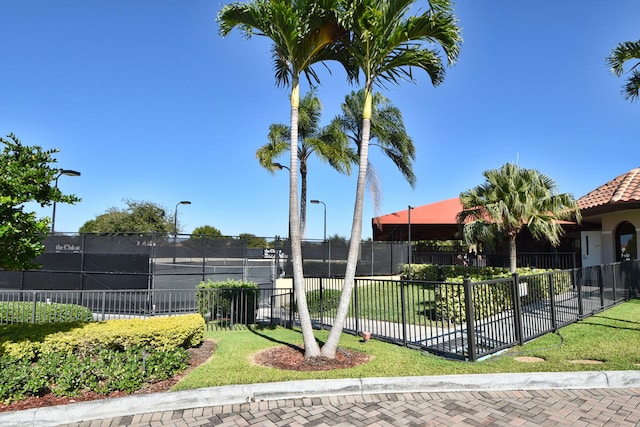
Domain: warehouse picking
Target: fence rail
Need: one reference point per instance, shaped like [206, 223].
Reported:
[467, 320]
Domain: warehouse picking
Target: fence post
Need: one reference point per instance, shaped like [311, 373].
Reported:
[356, 304]
[601, 286]
[403, 302]
[613, 287]
[104, 303]
[320, 292]
[291, 310]
[552, 299]
[578, 286]
[35, 307]
[471, 328]
[517, 309]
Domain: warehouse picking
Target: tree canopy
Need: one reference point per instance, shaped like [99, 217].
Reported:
[207, 231]
[328, 143]
[26, 174]
[511, 199]
[138, 217]
[624, 52]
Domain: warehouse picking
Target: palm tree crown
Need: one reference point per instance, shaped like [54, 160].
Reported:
[329, 144]
[622, 53]
[511, 199]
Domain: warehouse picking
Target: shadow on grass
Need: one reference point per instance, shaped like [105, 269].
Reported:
[256, 329]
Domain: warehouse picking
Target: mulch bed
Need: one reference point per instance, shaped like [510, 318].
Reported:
[292, 358]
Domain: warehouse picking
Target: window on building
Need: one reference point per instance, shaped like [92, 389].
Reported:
[626, 242]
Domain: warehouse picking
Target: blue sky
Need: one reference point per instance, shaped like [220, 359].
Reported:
[148, 102]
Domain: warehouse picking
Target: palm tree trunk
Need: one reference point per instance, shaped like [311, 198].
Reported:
[512, 253]
[331, 346]
[311, 347]
[303, 199]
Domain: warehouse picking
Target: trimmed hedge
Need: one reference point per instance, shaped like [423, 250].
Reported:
[232, 301]
[488, 299]
[71, 358]
[158, 333]
[23, 312]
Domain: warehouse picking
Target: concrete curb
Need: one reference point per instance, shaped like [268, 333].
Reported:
[215, 396]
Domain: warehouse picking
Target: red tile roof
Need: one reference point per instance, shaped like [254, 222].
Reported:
[443, 212]
[622, 190]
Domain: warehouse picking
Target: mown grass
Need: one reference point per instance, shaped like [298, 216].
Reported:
[611, 337]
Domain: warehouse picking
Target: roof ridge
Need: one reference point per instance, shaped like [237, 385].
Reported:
[628, 179]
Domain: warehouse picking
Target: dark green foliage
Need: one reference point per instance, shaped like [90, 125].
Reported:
[23, 312]
[71, 374]
[489, 299]
[329, 301]
[26, 175]
[232, 301]
[138, 217]
[207, 231]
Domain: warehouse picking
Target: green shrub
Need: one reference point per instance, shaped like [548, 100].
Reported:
[330, 300]
[67, 365]
[157, 333]
[233, 301]
[42, 312]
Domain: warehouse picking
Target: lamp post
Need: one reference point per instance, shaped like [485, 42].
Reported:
[67, 172]
[409, 234]
[175, 226]
[315, 202]
[280, 167]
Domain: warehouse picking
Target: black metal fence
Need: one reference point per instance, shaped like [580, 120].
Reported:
[466, 320]
[441, 317]
[219, 307]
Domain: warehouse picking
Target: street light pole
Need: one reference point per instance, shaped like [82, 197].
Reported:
[280, 167]
[324, 239]
[67, 172]
[175, 226]
[315, 202]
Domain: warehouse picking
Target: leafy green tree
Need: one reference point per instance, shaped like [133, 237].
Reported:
[512, 199]
[329, 144]
[387, 132]
[387, 44]
[619, 56]
[252, 241]
[304, 33]
[207, 231]
[26, 174]
[138, 217]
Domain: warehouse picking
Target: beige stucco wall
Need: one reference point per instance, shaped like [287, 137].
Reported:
[609, 224]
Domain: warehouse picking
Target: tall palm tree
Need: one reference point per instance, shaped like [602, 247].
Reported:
[304, 33]
[512, 199]
[621, 54]
[329, 144]
[387, 45]
[388, 132]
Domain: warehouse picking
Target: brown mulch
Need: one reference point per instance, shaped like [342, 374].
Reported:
[282, 357]
[292, 358]
[198, 355]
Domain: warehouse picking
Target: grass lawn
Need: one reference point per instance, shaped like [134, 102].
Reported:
[611, 337]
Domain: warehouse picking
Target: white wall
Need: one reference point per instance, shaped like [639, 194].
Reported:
[591, 244]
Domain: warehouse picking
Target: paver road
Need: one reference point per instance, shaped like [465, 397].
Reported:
[547, 407]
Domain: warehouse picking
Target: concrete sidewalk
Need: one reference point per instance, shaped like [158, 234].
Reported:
[112, 411]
